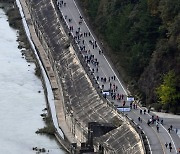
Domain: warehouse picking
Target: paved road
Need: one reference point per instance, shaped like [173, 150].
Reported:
[106, 77]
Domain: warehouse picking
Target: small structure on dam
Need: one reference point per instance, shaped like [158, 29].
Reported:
[95, 129]
[91, 120]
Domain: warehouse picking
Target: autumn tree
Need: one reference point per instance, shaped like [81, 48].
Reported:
[167, 91]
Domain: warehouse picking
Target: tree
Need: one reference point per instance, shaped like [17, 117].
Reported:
[167, 90]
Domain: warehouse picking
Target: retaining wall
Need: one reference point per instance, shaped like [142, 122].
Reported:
[76, 94]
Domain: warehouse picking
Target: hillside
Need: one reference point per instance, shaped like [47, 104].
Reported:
[142, 38]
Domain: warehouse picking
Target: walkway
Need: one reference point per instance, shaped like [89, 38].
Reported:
[106, 76]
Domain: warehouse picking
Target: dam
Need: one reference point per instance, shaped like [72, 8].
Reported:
[80, 106]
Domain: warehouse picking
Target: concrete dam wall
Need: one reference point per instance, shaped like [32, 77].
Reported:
[76, 95]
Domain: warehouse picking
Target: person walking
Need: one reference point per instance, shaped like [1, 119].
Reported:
[162, 121]
[169, 130]
[166, 144]
[144, 111]
[157, 128]
[176, 130]
[114, 77]
[171, 127]
[140, 111]
[170, 148]
[148, 122]
[178, 150]
[170, 144]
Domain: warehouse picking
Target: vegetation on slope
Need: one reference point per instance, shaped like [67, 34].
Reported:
[144, 41]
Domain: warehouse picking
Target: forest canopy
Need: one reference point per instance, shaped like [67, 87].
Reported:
[143, 41]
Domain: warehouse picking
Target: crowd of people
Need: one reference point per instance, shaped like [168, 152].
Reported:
[91, 51]
[86, 44]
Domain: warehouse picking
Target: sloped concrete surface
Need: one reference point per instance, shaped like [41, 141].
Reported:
[80, 97]
[122, 140]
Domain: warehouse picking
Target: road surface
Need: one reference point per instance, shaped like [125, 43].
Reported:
[107, 78]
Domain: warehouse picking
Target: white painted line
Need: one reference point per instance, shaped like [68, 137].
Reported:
[170, 138]
[149, 145]
[167, 133]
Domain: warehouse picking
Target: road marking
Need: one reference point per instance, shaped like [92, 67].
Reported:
[162, 145]
[166, 131]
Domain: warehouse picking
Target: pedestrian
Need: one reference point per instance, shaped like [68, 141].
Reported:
[102, 86]
[162, 121]
[96, 69]
[169, 130]
[93, 70]
[170, 144]
[178, 150]
[101, 79]
[97, 77]
[124, 102]
[140, 111]
[157, 123]
[131, 105]
[144, 111]
[157, 128]
[139, 119]
[157, 118]
[122, 96]
[170, 148]
[110, 85]
[166, 145]
[105, 95]
[114, 77]
[150, 120]
[171, 127]
[176, 130]
[153, 119]
[135, 106]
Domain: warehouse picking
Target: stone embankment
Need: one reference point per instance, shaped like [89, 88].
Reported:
[76, 95]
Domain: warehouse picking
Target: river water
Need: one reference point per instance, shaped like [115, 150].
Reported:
[20, 102]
